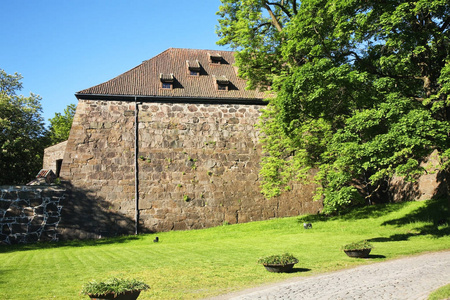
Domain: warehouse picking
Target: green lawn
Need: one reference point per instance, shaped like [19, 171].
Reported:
[200, 263]
[441, 293]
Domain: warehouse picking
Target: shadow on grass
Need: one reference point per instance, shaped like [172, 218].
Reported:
[370, 256]
[372, 211]
[435, 214]
[2, 275]
[300, 270]
[374, 256]
[436, 211]
[392, 238]
[73, 243]
[432, 219]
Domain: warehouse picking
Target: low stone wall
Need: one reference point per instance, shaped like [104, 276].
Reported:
[30, 213]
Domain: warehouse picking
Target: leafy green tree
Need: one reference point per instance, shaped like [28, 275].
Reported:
[361, 89]
[23, 135]
[61, 124]
[9, 84]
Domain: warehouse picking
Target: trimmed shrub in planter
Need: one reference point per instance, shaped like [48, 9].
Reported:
[358, 249]
[115, 288]
[278, 263]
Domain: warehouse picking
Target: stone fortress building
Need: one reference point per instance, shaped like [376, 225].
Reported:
[169, 145]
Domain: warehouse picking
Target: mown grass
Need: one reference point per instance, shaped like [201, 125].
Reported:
[441, 293]
[201, 263]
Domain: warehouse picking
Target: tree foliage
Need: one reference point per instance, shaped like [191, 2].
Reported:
[61, 124]
[23, 135]
[362, 89]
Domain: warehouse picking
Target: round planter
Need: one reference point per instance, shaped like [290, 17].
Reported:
[132, 295]
[361, 253]
[279, 268]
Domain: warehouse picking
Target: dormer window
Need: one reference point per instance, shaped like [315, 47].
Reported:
[167, 85]
[221, 83]
[166, 81]
[215, 58]
[193, 67]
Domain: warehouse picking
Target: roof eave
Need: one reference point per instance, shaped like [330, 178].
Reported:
[172, 99]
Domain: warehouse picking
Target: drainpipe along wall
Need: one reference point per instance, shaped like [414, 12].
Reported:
[136, 166]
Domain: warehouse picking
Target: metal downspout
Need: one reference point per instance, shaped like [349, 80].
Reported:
[136, 166]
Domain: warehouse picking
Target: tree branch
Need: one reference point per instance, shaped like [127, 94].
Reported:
[284, 9]
[262, 25]
[275, 21]
[445, 25]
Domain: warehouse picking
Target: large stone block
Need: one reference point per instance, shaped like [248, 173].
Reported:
[35, 201]
[13, 212]
[10, 195]
[4, 204]
[18, 228]
[5, 229]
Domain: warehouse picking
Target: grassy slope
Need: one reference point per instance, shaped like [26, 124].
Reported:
[200, 263]
[442, 293]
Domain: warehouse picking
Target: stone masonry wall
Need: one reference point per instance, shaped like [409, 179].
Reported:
[427, 186]
[52, 154]
[29, 214]
[198, 165]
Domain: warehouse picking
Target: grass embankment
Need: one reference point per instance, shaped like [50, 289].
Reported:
[200, 263]
[440, 294]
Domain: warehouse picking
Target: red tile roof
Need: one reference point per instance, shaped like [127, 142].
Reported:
[45, 173]
[145, 79]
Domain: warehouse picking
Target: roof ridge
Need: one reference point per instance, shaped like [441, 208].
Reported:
[190, 49]
[159, 54]
[195, 49]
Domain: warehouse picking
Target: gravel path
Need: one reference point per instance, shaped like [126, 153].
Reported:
[406, 278]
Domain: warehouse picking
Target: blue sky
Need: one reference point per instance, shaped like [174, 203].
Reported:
[64, 46]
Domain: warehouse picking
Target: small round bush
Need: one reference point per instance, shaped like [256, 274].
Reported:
[283, 259]
[358, 246]
[113, 285]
